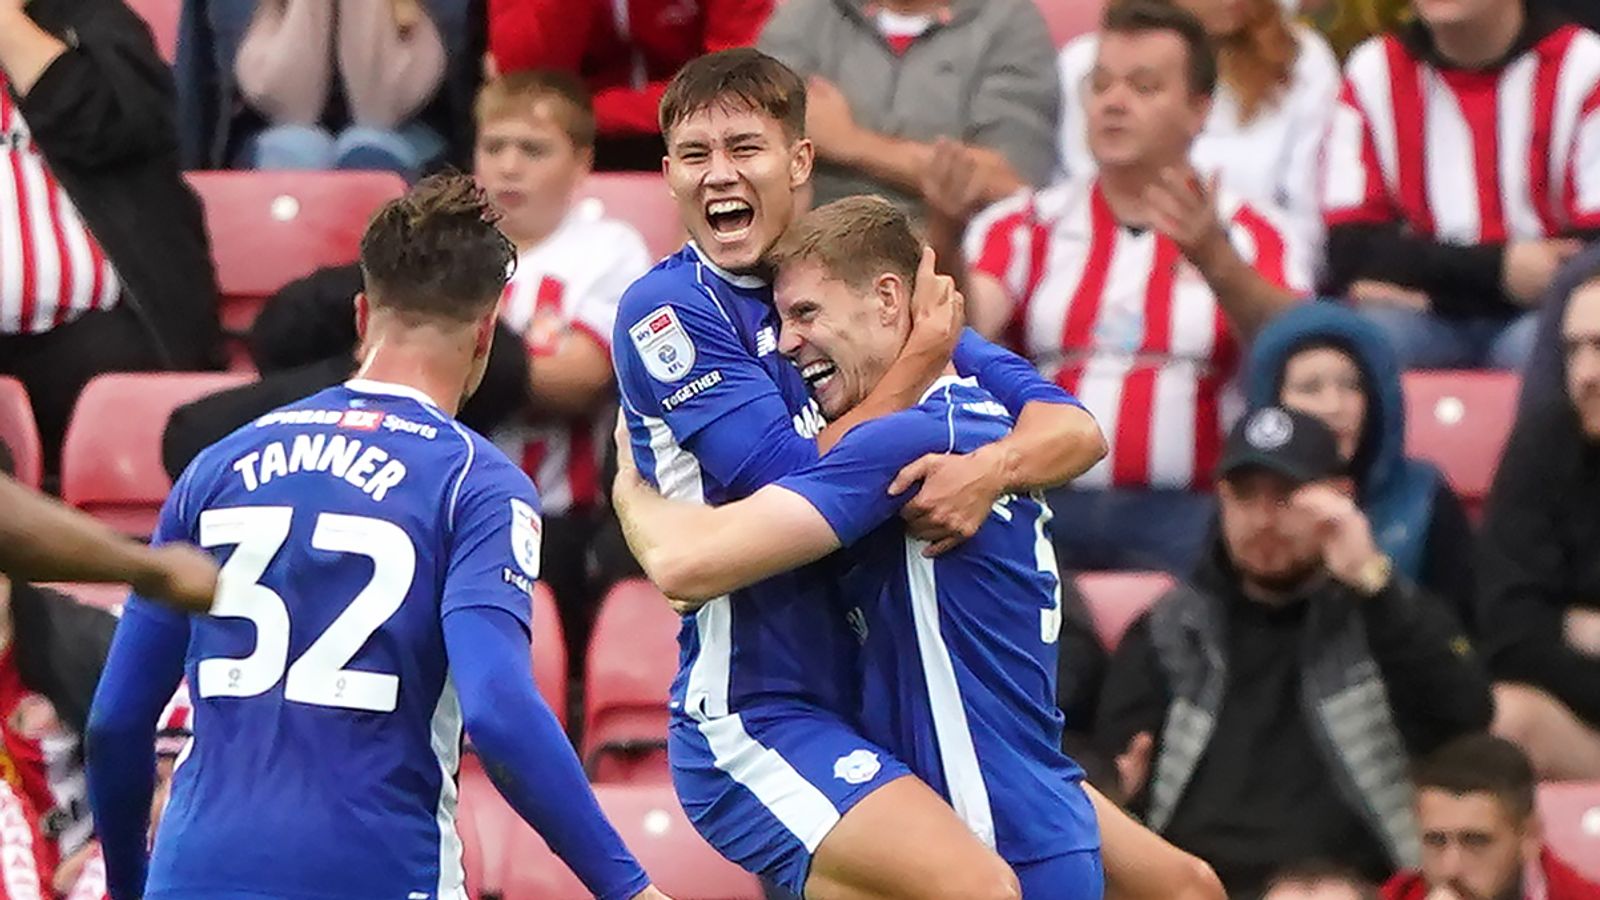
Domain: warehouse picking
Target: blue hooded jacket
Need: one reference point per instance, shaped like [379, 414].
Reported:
[1396, 493]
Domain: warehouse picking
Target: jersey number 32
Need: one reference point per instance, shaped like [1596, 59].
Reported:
[318, 676]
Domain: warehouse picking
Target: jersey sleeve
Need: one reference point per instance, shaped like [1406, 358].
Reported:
[1010, 378]
[849, 485]
[680, 362]
[1353, 187]
[495, 540]
[1584, 166]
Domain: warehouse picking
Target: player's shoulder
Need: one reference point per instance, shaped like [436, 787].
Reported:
[486, 473]
[1372, 54]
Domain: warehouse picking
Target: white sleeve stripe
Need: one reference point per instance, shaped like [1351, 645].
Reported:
[472, 454]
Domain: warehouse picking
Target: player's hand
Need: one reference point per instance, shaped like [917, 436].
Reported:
[1530, 266]
[1184, 208]
[651, 893]
[938, 311]
[1348, 549]
[181, 575]
[958, 492]
[1133, 764]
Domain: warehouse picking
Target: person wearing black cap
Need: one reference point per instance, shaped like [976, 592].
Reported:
[1264, 711]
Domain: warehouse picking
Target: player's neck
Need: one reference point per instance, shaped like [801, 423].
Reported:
[417, 367]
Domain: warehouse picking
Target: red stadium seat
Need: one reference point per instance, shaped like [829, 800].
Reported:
[1571, 815]
[1070, 18]
[106, 596]
[641, 200]
[549, 652]
[655, 828]
[1115, 599]
[1459, 421]
[162, 17]
[111, 457]
[19, 431]
[633, 654]
[269, 228]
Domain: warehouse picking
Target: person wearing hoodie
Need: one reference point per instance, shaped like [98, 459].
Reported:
[892, 84]
[1328, 361]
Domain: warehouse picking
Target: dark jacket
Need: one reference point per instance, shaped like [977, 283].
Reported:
[61, 647]
[102, 114]
[1416, 518]
[305, 340]
[213, 121]
[1544, 374]
[1540, 554]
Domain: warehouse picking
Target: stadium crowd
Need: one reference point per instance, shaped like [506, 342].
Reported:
[1234, 229]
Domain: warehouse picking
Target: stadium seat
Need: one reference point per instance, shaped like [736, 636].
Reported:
[111, 456]
[1070, 18]
[641, 200]
[549, 652]
[106, 596]
[633, 655]
[655, 828]
[1116, 599]
[162, 17]
[1571, 815]
[269, 228]
[1460, 421]
[19, 431]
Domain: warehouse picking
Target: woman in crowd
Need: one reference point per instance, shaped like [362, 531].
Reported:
[1278, 85]
[1326, 360]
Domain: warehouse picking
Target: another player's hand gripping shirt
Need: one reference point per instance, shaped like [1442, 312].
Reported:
[958, 652]
[326, 727]
[715, 413]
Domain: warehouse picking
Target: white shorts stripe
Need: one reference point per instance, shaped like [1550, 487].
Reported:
[805, 811]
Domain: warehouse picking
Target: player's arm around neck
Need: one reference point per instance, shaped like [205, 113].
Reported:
[937, 318]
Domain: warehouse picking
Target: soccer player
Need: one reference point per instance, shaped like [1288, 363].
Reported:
[375, 595]
[958, 651]
[43, 540]
[762, 703]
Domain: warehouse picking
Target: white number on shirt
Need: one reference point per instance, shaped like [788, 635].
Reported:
[318, 676]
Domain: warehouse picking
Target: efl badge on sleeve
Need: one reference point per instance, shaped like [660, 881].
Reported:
[525, 537]
[663, 344]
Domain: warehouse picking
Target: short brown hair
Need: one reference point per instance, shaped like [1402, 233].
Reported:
[1141, 16]
[1481, 764]
[854, 240]
[742, 78]
[435, 253]
[518, 93]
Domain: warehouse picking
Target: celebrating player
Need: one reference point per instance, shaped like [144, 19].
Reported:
[380, 560]
[762, 703]
[958, 651]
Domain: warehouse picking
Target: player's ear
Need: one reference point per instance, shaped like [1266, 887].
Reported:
[484, 338]
[893, 295]
[801, 160]
[363, 315]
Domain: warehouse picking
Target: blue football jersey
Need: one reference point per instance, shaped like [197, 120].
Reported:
[715, 413]
[958, 658]
[326, 728]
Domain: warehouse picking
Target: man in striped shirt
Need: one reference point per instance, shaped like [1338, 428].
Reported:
[1462, 170]
[1133, 290]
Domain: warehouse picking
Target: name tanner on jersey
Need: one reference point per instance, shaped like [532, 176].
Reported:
[368, 468]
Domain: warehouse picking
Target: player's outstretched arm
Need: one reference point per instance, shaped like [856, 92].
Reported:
[142, 671]
[527, 755]
[44, 540]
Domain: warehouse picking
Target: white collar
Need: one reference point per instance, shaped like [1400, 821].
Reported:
[368, 386]
[743, 281]
[944, 381]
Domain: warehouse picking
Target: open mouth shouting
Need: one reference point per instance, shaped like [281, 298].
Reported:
[818, 375]
[730, 219]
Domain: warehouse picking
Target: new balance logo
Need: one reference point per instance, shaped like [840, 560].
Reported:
[766, 341]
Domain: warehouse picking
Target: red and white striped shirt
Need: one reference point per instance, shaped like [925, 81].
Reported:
[569, 283]
[1119, 318]
[51, 268]
[1469, 157]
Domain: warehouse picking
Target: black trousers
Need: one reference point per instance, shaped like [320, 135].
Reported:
[55, 366]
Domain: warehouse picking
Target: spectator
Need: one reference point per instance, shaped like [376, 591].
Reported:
[1264, 710]
[104, 264]
[389, 84]
[1263, 138]
[888, 81]
[1329, 362]
[1346, 23]
[1540, 565]
[1318, 881]
[1133, 289]
[1459, 176]
[625, 50]
[1480, 831]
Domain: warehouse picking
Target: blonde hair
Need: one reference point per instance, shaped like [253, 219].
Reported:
[855, 240]
[1257, 63]
[1349, 22]
[518, 93]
